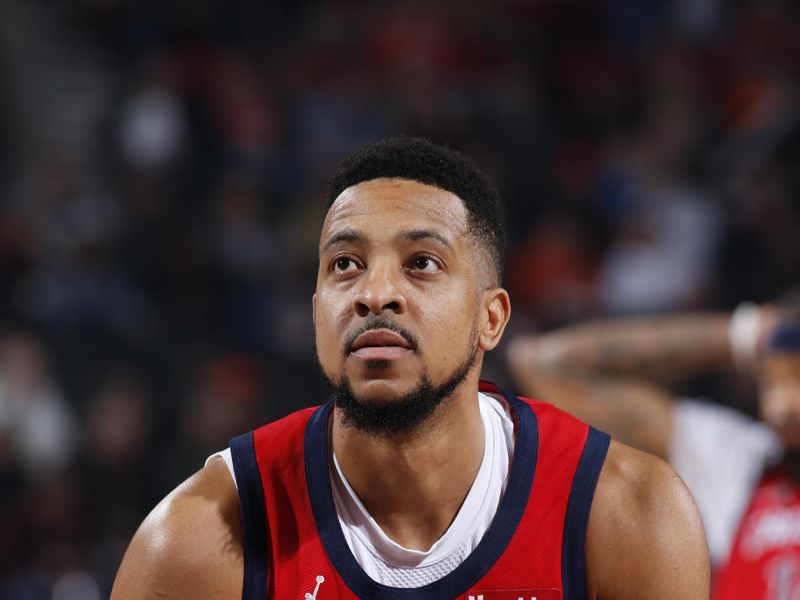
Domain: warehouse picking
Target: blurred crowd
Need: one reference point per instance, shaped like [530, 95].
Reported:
[155, 300]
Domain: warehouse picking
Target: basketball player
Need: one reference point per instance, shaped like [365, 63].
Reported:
[744, 474]
[418, 481]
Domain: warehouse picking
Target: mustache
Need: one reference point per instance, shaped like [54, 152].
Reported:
[381, 323]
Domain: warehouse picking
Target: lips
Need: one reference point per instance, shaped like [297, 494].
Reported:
[379, 337]
[380, 344]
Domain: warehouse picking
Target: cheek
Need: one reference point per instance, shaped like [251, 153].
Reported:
[328, 331]
[448, 330]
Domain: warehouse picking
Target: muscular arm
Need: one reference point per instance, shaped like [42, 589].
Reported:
[645, 540]
[190, 546]
[647, 347]
[607, 372]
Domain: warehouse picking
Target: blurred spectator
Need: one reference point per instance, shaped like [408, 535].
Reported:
[117, 465]
[227, 395]
[37, 426]
[153, 125]
[665, 229]
[62, 210]
[245, 113]
[552, 274]
[243, 240]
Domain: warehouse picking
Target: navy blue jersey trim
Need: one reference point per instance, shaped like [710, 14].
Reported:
[254, 517]
[573, 559]
[475, 566]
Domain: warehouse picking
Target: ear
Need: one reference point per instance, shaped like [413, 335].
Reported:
[495, 313]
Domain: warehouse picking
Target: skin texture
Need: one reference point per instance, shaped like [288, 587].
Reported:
[645, 538]
[402, 250]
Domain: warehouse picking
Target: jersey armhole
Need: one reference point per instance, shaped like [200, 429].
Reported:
[254, 516]
[579, 505]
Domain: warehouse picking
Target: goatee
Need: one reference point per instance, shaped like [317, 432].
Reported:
[397, 416]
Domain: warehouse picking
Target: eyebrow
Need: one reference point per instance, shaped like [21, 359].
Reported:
[423, 234]
[412, 235]
[346, 235]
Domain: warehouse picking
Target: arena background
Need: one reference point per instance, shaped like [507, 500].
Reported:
[162, 168]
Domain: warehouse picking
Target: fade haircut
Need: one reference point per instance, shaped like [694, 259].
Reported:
[419, 159]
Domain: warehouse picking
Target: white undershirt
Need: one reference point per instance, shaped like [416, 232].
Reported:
[391, 564]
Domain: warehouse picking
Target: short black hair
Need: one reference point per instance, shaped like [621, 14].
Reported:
[419, 159]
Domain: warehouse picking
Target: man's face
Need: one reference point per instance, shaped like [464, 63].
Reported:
[779, 384]
[399, 289]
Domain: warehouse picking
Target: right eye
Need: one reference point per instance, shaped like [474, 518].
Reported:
[344, 264]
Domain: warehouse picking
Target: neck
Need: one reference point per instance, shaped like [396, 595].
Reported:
[414, 484]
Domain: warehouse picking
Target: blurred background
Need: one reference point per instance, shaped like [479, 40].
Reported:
[162, 173]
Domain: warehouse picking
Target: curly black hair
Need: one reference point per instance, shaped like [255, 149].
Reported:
[419, 159]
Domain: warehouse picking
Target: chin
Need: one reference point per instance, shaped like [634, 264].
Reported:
[380, 389]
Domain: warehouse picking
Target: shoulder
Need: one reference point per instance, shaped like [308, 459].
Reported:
[190, 545]
[645, 537]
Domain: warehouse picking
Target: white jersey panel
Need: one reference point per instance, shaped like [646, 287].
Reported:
[720, 453]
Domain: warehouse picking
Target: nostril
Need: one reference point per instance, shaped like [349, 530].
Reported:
[362, 310]
[394, 306]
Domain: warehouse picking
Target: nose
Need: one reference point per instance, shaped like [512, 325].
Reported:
[378, 292]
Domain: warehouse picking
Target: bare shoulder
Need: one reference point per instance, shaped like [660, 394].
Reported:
[190, 545]
[645, 539]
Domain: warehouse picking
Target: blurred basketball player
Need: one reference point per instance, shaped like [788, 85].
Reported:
[744, 474]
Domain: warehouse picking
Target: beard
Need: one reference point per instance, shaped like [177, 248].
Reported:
[400, 415]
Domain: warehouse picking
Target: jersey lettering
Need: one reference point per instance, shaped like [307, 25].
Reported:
[764, 563]
[530, 594]
[771, 528]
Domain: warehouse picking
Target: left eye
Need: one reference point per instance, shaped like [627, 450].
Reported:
[425, 263]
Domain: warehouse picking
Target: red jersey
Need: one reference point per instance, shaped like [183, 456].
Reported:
[294, 547]
[764, 563]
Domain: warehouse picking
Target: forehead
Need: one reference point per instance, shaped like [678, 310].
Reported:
[382, 206]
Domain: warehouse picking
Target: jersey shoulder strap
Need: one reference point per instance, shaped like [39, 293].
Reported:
[569, 458]
[251, 453]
